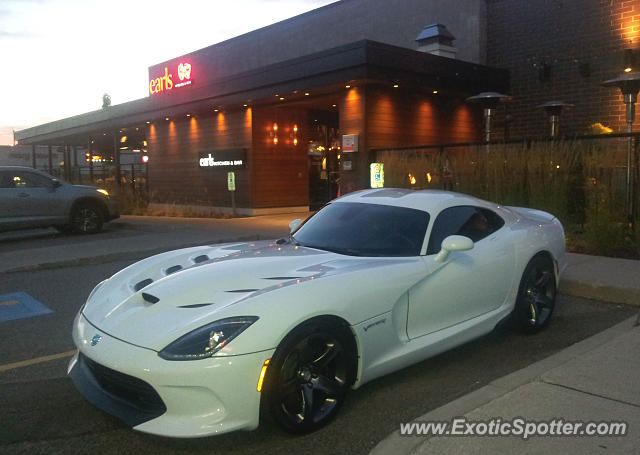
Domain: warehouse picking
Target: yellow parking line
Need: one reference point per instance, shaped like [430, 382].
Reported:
[37, 360]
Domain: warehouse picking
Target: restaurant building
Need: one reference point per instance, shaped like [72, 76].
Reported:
[289, 115]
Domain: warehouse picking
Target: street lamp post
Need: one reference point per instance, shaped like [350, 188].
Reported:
[629, 85]
[554, 109]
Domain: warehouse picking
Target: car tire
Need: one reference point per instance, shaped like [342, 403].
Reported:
[536, 296]
[308, 377]
[87, 218]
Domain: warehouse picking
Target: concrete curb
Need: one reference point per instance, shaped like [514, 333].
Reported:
[598, 291]
[394, 444]
[124, 255]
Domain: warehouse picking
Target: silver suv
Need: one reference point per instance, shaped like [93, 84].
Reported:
[32, 198]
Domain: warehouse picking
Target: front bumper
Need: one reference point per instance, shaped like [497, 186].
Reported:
[169, 398]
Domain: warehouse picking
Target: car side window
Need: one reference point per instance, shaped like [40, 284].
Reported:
[473, 222]
[6, 180]
[30, 180]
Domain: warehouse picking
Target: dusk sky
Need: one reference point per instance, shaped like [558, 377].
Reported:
[58, 57]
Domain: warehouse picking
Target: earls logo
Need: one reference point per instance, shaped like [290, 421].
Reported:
[165, 82]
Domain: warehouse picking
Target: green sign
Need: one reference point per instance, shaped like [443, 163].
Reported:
[231, 181]
[377, 175]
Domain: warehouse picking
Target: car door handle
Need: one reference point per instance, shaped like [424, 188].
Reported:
[23, 194]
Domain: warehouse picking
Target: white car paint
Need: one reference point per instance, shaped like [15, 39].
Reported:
[400, 309]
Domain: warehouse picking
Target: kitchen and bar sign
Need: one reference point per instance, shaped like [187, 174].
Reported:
[223, 159]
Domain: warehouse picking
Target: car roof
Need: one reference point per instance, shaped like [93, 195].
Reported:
[26, 169]
[432, 201]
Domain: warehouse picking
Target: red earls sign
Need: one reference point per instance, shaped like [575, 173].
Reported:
[166, 83]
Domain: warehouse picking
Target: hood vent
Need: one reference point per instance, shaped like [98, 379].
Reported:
[150, 298]
[173, 269]
[201, 258]
[142, 284]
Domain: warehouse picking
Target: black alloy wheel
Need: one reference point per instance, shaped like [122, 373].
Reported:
[308, 377]
[536, 296]
[87, 218]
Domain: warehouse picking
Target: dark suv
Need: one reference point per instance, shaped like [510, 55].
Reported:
[32, 198]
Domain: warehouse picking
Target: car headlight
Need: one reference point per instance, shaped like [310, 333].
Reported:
[103, 191]
[207, 340]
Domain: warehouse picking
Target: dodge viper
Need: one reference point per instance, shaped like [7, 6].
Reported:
[207, 340]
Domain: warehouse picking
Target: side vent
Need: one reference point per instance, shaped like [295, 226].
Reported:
[197, 305]
[201, 258]
[150, 298]
[142, 284]
[173, 269]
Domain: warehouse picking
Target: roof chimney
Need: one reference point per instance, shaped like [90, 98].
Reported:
[436, 39]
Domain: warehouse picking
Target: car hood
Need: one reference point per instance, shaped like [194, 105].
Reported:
[189, 288]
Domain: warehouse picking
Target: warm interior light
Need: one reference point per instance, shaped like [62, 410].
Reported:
[334, 105]
[103, 191]
[295, 141]
[435, 92]
[148, 122]
[275, 127]
[166, 118]
[429, 177]
[245, 105]
[123, 139]
[347, 86]
[627, 70]
[412, 179]
[263, 372]
[295, 128]
[216, 110]
[275, 140]
[395, 86]
[306, 93]
[281, 98]
[188, 115]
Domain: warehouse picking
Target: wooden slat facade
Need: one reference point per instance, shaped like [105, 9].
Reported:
[277, 175]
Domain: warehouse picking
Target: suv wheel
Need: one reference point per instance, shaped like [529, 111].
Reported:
[87, 218]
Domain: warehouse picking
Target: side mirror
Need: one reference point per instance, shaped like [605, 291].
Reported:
[453, 243]
[295, 224]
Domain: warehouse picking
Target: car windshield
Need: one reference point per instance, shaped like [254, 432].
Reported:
[359, 229]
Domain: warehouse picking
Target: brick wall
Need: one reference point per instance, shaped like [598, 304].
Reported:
[567, 36]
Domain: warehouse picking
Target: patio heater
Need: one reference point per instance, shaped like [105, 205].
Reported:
[629, 85]
[554, 109]
[489, 101]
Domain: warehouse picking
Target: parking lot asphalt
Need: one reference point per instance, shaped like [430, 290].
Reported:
[40, 411]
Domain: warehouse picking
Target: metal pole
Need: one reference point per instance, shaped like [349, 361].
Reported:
[33, 156]
[75, 161]
[488, 113]
[233, 202]
[116, 158]
[50, 161]
[555, 120]
[630, 99]
[90, 161]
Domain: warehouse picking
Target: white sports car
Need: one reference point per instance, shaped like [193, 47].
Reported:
[205, 340]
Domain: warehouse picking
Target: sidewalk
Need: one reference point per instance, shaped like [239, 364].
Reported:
[597, 379]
